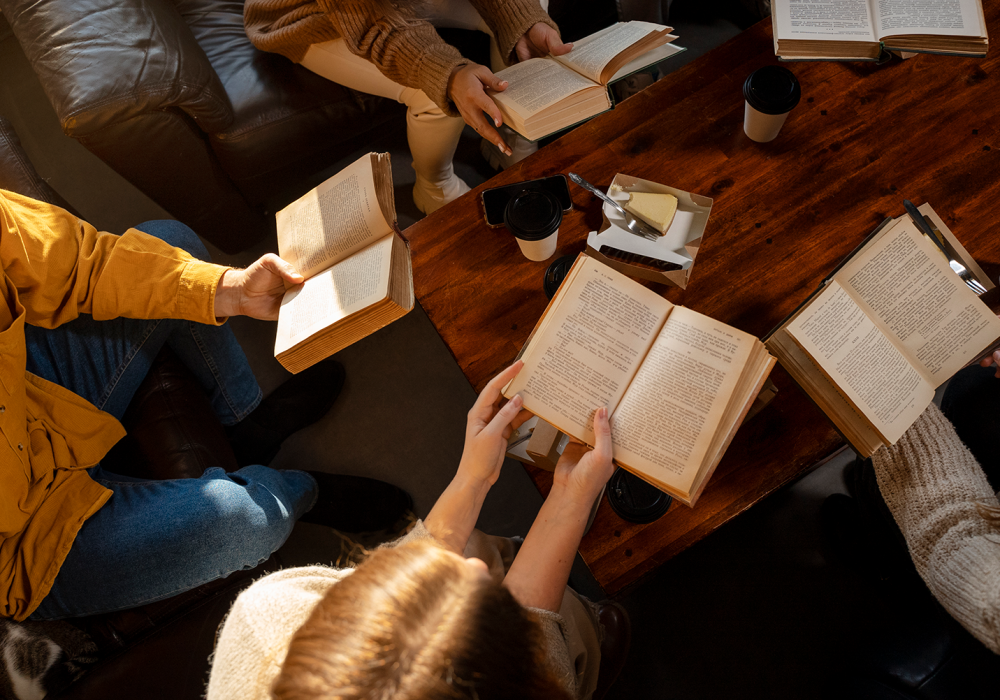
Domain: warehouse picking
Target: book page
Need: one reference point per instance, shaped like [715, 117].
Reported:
[940, 17]
[840, 20]
[332, 221]
[536, 84]
[862, 362]
[903, 282]
[657, 55]
[671, 411]
[592, 53]
[587, 351]
[333, 295]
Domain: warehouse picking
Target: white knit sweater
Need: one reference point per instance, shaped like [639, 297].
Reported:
[253, 642]
[932, 483]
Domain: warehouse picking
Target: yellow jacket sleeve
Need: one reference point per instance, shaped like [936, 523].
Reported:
[62, 266]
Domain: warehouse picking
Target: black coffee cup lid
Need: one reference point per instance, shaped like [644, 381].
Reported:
[772, 90]
[532, 215]
[635, 500]
[556, 273]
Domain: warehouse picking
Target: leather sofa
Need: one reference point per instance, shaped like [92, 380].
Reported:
[160, 650]
[172, 95]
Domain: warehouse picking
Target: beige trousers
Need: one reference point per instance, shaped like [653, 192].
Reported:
[583, 635]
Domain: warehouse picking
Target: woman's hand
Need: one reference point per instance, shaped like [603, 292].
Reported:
[467, 89]
[583, 472]
[541, 40]
[488, 428]
[257, 290]
[993, 359]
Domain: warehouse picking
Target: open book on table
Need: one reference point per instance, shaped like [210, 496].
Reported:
[342, 237]
[892, 324]
[808, 30]
[677, 384]
[545, 95]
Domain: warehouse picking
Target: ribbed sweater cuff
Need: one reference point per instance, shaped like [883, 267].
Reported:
[929, 453]
[433, 72]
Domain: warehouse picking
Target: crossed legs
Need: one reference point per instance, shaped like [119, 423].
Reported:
[154, 539]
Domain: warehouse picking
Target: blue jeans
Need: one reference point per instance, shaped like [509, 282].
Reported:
[155, 539]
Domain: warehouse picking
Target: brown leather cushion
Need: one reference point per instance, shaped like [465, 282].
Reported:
[17, 173]
[285, 118]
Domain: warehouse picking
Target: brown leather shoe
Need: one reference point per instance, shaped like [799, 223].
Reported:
[614, 648]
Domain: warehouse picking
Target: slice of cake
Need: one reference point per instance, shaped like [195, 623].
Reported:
[655, 209]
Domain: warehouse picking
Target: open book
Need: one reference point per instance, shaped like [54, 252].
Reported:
[881, 334]
[677, 384]
[545, 95]
[859, 30]
[342, 237]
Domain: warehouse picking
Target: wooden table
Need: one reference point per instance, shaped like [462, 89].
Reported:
[862, 139]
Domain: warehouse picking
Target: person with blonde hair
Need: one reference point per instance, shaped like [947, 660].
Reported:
[443, 612]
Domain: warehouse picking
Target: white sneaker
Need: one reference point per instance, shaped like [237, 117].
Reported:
[520, 148]
[430, 197]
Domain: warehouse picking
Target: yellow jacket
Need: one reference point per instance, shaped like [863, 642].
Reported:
[56, 267]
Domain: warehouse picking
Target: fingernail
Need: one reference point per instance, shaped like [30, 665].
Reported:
[503, 83]
[496, 122]
[602, 412]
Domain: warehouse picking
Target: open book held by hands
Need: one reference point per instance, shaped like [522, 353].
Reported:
[677, 384]
[545, 95]
[342, 237]
[858, 31]
[892, 324]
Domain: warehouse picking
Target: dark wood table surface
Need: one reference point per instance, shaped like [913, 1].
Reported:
[862, 139]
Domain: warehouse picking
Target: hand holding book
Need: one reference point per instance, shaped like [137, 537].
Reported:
[256, 291]
[540, 41]
[993, 360]
[468, 84]
[583, 471]
[489, 427]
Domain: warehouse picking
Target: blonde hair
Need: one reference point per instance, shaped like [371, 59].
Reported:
[415, 622]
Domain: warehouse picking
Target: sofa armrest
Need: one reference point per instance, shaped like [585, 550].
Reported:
[105, 61]
[17, 174]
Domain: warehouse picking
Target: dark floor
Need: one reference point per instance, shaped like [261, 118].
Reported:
[753, 611]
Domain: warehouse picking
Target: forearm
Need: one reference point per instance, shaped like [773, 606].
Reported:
[935, 488]
[227, 296]
[538, 576]
[456, 511]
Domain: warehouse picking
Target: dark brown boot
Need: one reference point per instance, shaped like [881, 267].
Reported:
[614, 647]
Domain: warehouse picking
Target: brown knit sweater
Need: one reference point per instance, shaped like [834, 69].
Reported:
[407, 51]
[932, 484]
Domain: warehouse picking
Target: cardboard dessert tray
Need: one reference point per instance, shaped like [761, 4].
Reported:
[679, 245]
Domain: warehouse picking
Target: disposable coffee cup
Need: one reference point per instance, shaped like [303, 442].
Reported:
[771, 93]
[534, 217]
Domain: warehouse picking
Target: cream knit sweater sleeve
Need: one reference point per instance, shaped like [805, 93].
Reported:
[932, 483]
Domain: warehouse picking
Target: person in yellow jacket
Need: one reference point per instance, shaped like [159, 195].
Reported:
[83, 315]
